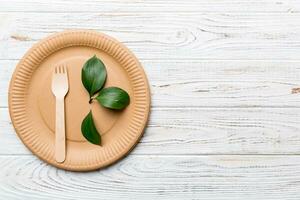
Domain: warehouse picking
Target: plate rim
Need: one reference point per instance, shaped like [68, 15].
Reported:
[87, 33]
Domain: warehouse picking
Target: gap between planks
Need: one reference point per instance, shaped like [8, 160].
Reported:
[154, 12]
[186, 59]
[206, 107]
[176, 155]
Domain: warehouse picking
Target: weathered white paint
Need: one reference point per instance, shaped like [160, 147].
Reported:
[225, 83]
[203, 131]
[166, 35]
[156, 177]
[289, 6]
[208, 83]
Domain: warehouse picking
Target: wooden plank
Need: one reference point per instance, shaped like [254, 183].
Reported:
[156, 177]
[166, 35]
[147, 5]
[190, 131]
[200, 83]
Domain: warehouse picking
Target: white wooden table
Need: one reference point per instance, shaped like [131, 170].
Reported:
[225, 82]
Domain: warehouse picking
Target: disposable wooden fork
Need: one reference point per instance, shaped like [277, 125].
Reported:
[60, 88]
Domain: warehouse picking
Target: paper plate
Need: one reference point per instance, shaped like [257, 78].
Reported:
[32, 104]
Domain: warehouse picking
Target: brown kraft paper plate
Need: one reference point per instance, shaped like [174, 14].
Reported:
[32, 104]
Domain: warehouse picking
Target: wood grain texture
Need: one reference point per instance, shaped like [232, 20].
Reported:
[224, 78]
[156, 177]
[200, 83]
[191, 131]
[150, 5]
[158, 36]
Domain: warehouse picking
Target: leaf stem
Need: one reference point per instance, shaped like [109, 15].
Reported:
[91, 99]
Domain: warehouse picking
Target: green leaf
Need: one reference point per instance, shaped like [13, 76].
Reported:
[93, 75]
[89, 130]
[113, 98]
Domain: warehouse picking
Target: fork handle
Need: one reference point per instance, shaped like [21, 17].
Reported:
[60, 137]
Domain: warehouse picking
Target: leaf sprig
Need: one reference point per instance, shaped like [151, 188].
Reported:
[93, 77]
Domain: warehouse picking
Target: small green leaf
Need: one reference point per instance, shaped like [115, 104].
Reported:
[93, 75]
[89, 130]
[113, 98]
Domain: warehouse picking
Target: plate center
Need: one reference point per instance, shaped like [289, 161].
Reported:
[76, 101]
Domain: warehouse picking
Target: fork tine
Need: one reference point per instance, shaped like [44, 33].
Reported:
[65, 68]
[60, 69]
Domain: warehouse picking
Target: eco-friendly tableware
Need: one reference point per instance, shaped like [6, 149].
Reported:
[60, 88]
[32, 104]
